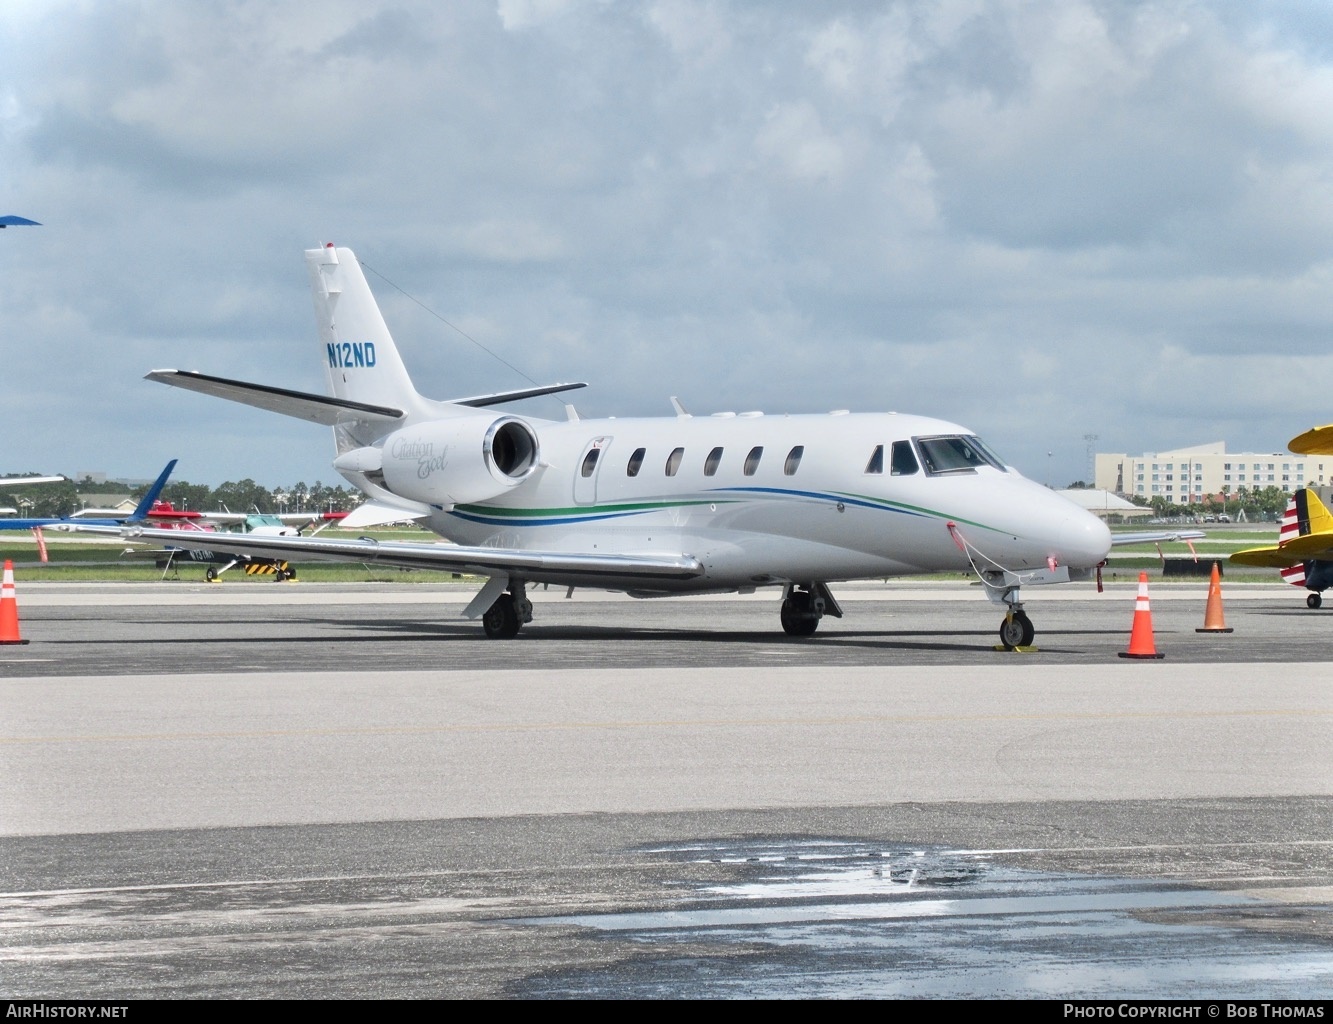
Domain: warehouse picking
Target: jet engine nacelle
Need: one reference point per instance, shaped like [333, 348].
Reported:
[458, 461]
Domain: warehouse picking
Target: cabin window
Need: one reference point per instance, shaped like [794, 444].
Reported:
[673, 461]
[590, 461]
[902, 460]
[955, 454]
[711, 463]
[635, 461]
[793, 460]
[876, 463]
[752, 460]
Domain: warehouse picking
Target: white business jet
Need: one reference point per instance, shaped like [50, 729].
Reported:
[653, 506]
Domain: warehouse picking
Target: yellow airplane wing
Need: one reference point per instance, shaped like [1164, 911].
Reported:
[1316, 441]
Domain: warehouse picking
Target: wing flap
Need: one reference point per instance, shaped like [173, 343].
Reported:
[483, 561]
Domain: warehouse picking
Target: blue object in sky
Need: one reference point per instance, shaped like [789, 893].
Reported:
[9, 219]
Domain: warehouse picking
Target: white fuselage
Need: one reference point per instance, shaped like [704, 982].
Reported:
[749, 515]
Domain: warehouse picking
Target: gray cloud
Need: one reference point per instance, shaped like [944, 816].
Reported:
[1043, 219]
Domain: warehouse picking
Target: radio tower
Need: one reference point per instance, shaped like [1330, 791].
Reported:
[1091, 441]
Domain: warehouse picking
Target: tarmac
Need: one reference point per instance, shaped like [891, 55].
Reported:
[257, 789]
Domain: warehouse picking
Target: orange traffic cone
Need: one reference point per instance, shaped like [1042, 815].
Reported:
[1140, 637]
[1213, 621]
[9, 609]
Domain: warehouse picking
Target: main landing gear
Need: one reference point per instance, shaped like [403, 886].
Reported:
[803, 606]
[503, 619]
[1314, 600]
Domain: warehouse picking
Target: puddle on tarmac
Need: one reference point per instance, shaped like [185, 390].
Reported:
[812, 919]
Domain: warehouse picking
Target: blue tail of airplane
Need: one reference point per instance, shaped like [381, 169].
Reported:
[145, 506]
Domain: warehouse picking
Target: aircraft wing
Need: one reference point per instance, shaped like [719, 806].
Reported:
[316, 408]
[1120, 539]
[1316, 441]
[228, 518]
[19, 481]
[481, 561]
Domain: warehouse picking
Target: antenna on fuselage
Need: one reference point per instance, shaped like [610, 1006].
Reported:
[680, 409]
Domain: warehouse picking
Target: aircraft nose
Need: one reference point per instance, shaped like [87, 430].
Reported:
[1084, 541]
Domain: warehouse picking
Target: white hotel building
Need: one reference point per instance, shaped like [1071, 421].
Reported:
[1185, 476]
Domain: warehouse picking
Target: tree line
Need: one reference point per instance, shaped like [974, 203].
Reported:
[68, 496]
[1258, 504]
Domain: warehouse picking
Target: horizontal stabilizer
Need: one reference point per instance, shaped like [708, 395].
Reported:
[1278, 557]
[1302, 549]
[500, 397]
[315, 408]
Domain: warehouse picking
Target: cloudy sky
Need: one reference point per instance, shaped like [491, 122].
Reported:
[1043, 220]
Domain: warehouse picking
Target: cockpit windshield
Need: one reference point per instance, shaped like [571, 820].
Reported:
[955, 454]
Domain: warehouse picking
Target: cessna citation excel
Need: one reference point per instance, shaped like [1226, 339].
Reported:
[653, 506]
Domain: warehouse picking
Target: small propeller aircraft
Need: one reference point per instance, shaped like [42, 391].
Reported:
[290, 524]
[1304, 551]
[653, 506]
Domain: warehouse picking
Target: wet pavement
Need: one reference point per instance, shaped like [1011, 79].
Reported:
[856, 920]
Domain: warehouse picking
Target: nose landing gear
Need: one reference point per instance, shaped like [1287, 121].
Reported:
[1002, 587]
[1017, 630]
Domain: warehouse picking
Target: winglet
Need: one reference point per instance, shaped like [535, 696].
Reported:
[150, 498]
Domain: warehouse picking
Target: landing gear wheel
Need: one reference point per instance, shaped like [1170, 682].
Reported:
[211, 574]
[1017, 631]
[501, 619]
[797, 619]
[279, 575]
[1314, 600]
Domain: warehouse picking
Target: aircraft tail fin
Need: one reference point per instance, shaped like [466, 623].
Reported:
[149, 499]
[359, 354]
[1311, 514]
[1305, 515]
